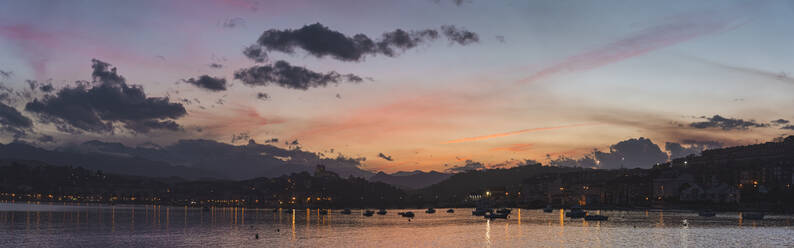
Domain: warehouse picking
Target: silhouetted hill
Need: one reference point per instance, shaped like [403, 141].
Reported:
[108, 163]
[231, 161]
[410, 180]
[459, 185]
[191, 159]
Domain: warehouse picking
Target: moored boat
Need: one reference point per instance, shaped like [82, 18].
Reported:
[496, 215]
[576, 213]
[430, 211]
[382, 211]
[368, 213]
[346, 211]
[481, 211]
[408, 214]
[450, 210]
[548, 209]
[323, 211]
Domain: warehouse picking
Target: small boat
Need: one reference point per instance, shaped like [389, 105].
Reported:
[346, 211]
[752, 215]
[707, 213]
[504, 211]
[576, 213]
[450, 211]
[323, 211]
[369, 213]
[481, 211]
[596, 217]
[382, 211]
[548, 209]
[496, 215]
[408, 214]
[430, 211]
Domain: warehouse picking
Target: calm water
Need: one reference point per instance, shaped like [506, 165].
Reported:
[59, 225]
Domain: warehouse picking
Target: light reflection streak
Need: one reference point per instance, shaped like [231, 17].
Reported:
[488, 232]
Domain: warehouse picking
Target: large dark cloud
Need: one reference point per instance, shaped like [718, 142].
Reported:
[13, 122]
[718, 121]
[320, 41]
[384, 156]
[788, 127]
[107, 101]
[288, 76]
[631, 153]
[689, 147]
[468, 166]
[208, 83]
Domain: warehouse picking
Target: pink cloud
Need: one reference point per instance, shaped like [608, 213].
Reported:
[674, 30]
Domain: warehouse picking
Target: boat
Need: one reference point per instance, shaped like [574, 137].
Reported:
[369, 213]
[596, 217]
[496, 215]
[382, 212]
[504, 211]
[346, 211]
[576, 213]
[481, 211]
[430, 211]
[752, 215]
[450, 211]
[548, 209]
[707, 213]
[323, 211]
[408, 214]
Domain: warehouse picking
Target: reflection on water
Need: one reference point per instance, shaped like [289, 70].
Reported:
[90, 225]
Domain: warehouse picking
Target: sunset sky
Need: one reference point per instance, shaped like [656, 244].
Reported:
[499, 82]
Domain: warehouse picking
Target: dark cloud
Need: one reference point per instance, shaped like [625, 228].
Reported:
[460, 36]
[469, 166]
[383, 156]
[631, 153]
[292, 77]
[107, 101]
[262, 96]
[788, 127]
[320, 41]
[13, 122]
[6, 74]
[233, 22]
[216, 65]
[726, 123]
[586, 161]
[779, 122]
[35, 85]
[338, 96]
[208, 83]
[689, 147]
[501, 38]
[272, 140]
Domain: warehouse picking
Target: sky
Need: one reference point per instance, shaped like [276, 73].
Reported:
[410, 85]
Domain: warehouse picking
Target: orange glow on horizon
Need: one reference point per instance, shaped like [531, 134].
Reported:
[512, 133]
